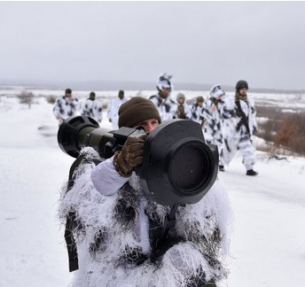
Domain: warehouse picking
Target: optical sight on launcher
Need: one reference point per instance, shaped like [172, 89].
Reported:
[178, 166]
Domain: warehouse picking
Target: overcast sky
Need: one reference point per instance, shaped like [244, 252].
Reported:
[197, 42]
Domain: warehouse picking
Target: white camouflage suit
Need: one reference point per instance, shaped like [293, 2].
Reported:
[65, 108]
[113, 111]
[237, 133]
[166, 106]
[214, 111]
[115, 225]
[196, 113]
[92, 108]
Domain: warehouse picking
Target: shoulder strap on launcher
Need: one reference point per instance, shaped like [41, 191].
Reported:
[71, 222]
[164, 240]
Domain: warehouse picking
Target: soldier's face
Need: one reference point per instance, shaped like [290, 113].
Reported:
[149, 125]
[243, 91]
[165, 91]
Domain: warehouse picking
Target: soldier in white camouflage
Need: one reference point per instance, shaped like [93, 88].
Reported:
[93, 108]
[238, 129]
[65, 106]
[166, 106]
[183, 109]
[196, 109]
[113, 109]
[213, 114]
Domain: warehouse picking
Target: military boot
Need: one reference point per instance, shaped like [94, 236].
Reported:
[221, 168]
[251, 172]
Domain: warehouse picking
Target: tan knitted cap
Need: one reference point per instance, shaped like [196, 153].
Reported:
[136, 110]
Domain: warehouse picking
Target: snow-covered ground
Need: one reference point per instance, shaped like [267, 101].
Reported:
[268, 236]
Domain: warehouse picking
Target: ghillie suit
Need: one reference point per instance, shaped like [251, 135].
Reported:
[122, 240]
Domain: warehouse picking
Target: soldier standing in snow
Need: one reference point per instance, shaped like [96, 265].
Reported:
[239, 128]
[197, 109]
[113, 108]
[92, 108]
[213, 114]
[183, 110]
[118, 229]
[165, 105]
[65, 106]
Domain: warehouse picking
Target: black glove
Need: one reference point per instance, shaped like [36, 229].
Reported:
[129, 156]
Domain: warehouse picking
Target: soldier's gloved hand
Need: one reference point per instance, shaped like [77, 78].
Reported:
[129, 156]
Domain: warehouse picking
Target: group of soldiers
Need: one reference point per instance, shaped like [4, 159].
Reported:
[67, 106]
[230, 122]
[116, 235]
[227, 121]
